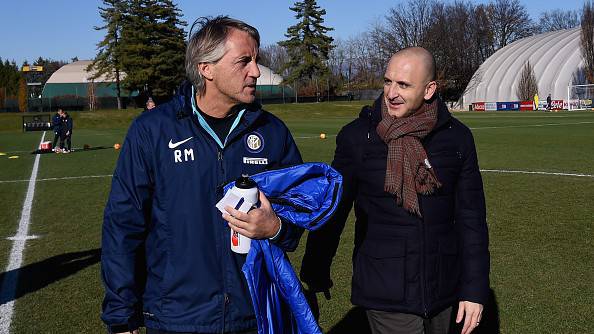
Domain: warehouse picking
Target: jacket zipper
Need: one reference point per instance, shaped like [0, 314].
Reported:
[225, 295]
[221, 167]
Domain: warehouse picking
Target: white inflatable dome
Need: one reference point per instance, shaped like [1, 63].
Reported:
[76, 72]
[267, 77]
[555, 57]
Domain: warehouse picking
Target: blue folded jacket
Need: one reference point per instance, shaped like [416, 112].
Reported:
[306, 195]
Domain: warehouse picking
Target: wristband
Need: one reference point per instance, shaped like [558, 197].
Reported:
[280, 227]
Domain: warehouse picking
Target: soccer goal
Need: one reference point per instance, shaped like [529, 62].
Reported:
[580, 97]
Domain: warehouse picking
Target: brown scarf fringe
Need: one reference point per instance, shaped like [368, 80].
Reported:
[408, 171]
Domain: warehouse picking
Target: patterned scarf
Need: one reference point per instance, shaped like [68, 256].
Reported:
[408, 171]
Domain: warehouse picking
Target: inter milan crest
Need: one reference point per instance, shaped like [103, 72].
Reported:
[254, 142]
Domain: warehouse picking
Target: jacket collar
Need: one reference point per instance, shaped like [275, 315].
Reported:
[373, 113]
[184, 101]
[184, 109]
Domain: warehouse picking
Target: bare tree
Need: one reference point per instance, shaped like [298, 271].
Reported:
[368, 61]
[338, 58]
[460, 38]
[483, 35]
[459, 34]
[453, 27]
[587, 39]
[510, 22]
[92, 96]
[558, 19]
[527, 86]
[405, 25]
[274, 57]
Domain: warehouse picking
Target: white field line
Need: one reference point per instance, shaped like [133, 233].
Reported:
[535, 172]
[60, 178]
[9, 284]
[528, 126]
[9, 152]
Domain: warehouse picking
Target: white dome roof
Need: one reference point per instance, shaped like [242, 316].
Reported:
[76, 72]
[267, 77]
[555, 57]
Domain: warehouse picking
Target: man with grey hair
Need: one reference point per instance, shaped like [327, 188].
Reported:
[166, 257]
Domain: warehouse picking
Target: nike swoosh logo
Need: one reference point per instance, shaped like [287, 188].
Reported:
[174, 145]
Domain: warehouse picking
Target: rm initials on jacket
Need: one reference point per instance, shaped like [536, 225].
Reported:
[188, 155]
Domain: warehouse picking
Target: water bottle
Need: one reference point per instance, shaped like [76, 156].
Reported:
[247, 189]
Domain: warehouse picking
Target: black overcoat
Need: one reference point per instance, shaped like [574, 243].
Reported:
[401, 262]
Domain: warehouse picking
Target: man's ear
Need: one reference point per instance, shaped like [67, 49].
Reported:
[205, 70]
[430, 90]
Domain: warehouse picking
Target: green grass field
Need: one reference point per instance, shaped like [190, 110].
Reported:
[541, 225]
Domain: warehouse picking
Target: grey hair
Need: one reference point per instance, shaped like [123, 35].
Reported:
[207, 45]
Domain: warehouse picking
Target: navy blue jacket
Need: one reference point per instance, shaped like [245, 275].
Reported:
[403, 263]
[66, 125]
[166, 258]
[56, 123]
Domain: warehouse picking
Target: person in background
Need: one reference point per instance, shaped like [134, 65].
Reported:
[56, 125]
[549, 102]
[66, 133]
[166, 258]
[421, 240]
[150, 104]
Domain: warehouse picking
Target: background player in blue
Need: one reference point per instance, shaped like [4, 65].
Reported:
[66, 133]
[56, 125]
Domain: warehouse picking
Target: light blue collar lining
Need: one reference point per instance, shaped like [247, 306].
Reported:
[207, 127]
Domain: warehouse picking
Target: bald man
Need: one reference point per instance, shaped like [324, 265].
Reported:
[421, 240]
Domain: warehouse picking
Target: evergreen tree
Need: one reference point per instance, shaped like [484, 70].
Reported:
[170, 49]
[14, 79]
[9, 78]
[4, 79]
[49, 67]
[308, 44]
[108, 59]
[153, 47]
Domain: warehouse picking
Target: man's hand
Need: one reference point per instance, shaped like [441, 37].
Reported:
[259, 223]
[471, 313]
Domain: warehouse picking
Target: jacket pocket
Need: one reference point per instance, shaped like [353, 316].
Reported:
[379, 272]
[449, 268]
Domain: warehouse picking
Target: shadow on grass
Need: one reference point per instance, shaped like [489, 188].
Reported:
[355, 321]
[36, 276]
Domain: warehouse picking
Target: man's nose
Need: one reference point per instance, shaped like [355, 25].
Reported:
[393, 91]
[254, 70]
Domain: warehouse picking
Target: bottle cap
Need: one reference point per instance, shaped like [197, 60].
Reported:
[245, 182]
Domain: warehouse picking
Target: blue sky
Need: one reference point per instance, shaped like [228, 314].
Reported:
[62, 29]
